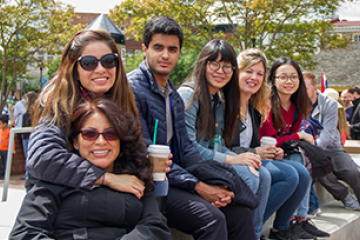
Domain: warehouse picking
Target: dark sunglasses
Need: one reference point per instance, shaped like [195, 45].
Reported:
[92, 135]
[90, 62]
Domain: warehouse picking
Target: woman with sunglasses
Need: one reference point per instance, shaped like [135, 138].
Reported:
[212, 107]
[290, 104]
[285, 193]
[90, 67]
[111, 140]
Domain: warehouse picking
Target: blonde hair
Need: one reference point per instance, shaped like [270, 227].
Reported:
[260, 100]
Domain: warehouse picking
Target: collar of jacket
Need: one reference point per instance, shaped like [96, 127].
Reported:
[356, 102]
[317, 110]
[151, 80]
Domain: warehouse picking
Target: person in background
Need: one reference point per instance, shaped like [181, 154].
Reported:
[27, 122]
[111, 140]
[203, 210]
[4, 144]
[355, 119]
[19, 111]
[346, 98]
[326, 111]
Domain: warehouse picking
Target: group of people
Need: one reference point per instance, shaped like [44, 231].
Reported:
[88, 173]
[351, 99]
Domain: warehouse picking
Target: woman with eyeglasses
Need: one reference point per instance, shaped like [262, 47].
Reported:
[211, 97]
[289, 105]
[90, 67]
[286, 178]
[111, 140]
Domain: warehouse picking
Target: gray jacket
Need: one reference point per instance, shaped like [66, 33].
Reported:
[326, 112]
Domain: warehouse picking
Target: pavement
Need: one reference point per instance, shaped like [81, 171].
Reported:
[10, 208]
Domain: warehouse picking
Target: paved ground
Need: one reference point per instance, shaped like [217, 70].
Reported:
[10, 208]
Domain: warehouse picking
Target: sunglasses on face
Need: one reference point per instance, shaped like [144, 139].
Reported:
[92, 135]
[90, 62]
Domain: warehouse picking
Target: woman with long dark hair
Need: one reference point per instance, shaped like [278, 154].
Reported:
[289, 105]
[212, 107]
[111, 140]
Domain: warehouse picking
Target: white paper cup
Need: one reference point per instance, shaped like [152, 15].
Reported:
[158, 156]
[267, 141]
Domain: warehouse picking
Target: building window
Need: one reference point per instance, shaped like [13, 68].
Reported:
[31, 64]
[357, 38]
[50, 57]
[41, 56]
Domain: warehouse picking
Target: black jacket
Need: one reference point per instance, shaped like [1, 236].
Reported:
[215, 173]
[255, 141]
[49, 160]
[55, 212]
[355, 120]
[320, 161]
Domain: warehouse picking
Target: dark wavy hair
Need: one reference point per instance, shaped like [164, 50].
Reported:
[231, 91]
[164, 25]
[300, 98]
[132, 158]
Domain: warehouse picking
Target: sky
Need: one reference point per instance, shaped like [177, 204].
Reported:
[349, 10]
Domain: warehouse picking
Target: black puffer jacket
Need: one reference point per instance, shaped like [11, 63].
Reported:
[55, 212]
[152, 105]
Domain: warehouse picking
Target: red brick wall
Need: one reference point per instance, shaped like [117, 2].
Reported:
[18, 161]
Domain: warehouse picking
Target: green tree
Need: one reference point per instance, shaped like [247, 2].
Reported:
[54, 66]
[292, 28]
[28, 27]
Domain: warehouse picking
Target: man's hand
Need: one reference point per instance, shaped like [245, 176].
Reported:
[218, 196]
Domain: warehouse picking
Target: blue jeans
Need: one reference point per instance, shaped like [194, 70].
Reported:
[260, 185]
[288, 187]
[302, 209]
[314, 201]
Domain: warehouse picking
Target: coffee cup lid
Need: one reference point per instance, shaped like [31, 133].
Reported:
[158, 149]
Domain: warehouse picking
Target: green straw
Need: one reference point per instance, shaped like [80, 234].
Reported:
[155, 131]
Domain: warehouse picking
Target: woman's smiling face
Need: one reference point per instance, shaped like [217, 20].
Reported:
[100, 152]
[99, 80]
[287, 87]
[251, 79]
[218, 78]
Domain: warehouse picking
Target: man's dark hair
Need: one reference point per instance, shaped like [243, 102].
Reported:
[353, 89]
[164, 25]
[4, 119]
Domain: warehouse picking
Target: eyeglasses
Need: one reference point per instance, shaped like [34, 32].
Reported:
[92, 135]
[90, 62]
[215, 65]
[284, 78]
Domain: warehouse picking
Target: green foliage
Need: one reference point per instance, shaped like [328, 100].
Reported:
[54, 66]
[28, 27]
[184, 66]
[291, 28]
[133, 61]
